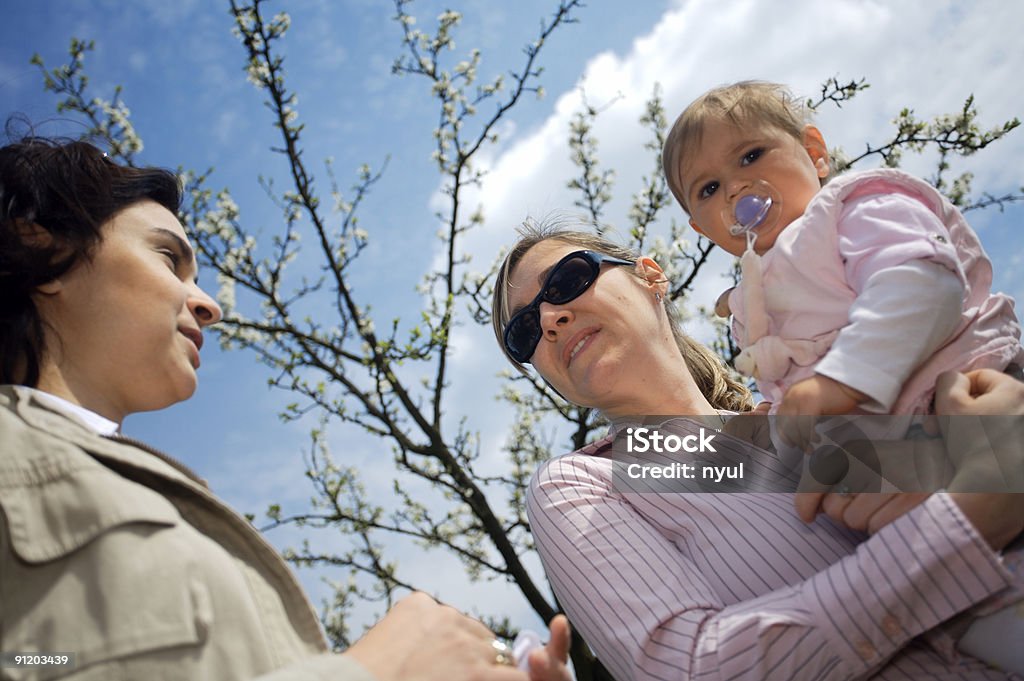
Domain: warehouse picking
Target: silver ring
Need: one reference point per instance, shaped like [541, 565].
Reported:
[502, 654]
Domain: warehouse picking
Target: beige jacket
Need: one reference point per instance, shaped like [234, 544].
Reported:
[115, 553]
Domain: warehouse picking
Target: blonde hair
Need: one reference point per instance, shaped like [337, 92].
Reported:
[713, 379]
[744, 104]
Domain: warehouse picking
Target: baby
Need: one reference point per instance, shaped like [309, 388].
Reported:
[855, 295]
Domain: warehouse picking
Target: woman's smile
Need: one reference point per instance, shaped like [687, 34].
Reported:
[578, 343]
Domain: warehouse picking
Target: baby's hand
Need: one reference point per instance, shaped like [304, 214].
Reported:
[722, 304]
[810, 398]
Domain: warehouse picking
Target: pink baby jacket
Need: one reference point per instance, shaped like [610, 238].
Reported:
[820, 264]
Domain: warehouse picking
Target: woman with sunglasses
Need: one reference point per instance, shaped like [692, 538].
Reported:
[731, 586]
[117, 562]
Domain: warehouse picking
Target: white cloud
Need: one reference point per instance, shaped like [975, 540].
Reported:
[926, 55]
[12, 77]
[226, 126]
[138, 61]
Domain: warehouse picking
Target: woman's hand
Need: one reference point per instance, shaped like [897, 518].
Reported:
[865, 512]
[998, 516]
[550, 662]
[982, 392]
[990, 452]
[421, 640]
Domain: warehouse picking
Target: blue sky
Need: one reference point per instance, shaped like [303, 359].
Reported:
[182, 75]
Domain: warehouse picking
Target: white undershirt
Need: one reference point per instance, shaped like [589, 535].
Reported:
[90, 419]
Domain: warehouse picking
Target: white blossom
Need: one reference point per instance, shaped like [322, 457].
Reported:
[225, 293]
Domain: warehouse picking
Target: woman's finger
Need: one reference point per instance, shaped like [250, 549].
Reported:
[808, 504]
[834, 505]
[952, 390]
[983, 380]
[561, 638]
[549, 662]
[899, 505]
[872, 511]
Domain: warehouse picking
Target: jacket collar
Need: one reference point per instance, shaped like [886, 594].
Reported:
[43, 415]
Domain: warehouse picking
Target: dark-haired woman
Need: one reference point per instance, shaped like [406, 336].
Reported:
[109, 550]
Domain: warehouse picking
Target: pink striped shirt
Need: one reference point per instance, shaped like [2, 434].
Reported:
[734, 586]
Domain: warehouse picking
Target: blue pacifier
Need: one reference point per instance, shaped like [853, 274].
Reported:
[753, 209]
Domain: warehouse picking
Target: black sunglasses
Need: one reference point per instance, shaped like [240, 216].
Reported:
[568, 279]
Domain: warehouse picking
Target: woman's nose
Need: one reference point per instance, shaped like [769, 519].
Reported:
[204, 308]
[552, 317]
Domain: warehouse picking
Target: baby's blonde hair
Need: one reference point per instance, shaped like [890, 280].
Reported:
[744, 104]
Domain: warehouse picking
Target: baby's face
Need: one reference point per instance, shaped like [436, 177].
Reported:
[728, 163]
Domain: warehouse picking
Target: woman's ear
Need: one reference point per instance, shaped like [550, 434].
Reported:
[650, 271]
[32, 233]
[814, 142]
[50, 288]
[37, 236]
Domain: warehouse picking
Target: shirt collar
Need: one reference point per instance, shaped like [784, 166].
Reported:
[89, 419]
[715, 421]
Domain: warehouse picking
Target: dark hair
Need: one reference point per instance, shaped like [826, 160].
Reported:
[70, 190]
